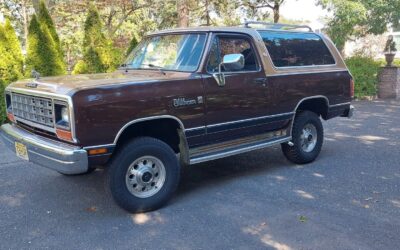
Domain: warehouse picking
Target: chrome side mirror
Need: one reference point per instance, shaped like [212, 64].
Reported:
[231, 62]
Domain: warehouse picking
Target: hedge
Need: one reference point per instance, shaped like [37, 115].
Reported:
[365, 71]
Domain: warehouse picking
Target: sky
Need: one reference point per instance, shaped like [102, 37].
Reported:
[306, 10]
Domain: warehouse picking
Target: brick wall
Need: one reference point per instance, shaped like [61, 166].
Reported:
[389, 83]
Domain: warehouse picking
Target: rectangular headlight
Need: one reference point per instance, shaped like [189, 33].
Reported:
[62, 117]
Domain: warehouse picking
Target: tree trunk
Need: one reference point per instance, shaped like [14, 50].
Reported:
[276, 12]
[208, 18]
[183, 13]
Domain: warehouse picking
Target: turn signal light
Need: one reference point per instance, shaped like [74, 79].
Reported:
[11, 117]
[98, 151]
[64, 135]
[352, 88]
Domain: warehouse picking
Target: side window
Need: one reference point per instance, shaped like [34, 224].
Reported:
[296, 49]
[224, 45]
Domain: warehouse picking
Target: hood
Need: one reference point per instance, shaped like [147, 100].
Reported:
[68, 84]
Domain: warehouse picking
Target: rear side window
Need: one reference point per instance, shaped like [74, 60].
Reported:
[296, 49]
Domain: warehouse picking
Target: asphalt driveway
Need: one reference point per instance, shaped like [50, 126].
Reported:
[348, 199]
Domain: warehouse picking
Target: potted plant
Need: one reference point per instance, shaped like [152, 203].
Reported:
[390, 51]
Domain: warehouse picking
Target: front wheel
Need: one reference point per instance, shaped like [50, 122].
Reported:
[144, 175]
[307, 138]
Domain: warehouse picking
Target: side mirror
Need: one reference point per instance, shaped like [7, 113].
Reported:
[230, 62]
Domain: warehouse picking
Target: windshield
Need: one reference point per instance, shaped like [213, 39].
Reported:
[177, 52]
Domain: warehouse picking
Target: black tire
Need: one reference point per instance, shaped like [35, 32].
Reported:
[296, 153]
[122, 162]
[90, 170]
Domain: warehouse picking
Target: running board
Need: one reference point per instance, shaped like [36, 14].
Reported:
[234, 150]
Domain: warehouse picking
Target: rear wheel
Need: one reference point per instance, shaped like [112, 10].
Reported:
[144, 175]
[307, 138]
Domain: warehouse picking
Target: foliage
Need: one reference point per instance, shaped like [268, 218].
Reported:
[45, 20]
[254, 8]
[14, 45]
[365, 72]
[10, 62]
[3, 116]
[356, 18]
[99, 55]
[134, 42]
[42, 54]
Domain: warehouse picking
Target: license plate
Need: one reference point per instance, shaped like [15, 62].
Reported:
[21, 151]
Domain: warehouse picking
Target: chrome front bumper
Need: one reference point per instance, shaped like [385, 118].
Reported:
[62, 157]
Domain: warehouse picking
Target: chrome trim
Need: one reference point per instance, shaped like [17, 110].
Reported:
[305, 99]
[195, 128]
[308, 72]
[250, 119]
[35, 125]
[59, 156]
[99, 146]
[147, 119]
[351, 111]
[339, 104]
[238, 151]
[54, 97]
[309, 98]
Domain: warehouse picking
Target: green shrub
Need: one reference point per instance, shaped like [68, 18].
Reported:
[99, 54]
[14, 46]
[42, 54]
[44, 18]
[365, 72]
[11, 62]
[3, 116]
[10, 67]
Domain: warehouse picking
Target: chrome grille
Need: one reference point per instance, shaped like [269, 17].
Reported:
[37, 110]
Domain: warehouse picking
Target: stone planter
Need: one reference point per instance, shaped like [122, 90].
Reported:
[389, 83]
[389, 58]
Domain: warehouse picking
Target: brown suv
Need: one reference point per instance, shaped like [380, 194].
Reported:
[183, 96]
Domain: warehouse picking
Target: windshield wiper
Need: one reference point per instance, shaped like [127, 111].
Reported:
[155, 67]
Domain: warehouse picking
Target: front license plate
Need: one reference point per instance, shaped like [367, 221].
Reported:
[21, 151]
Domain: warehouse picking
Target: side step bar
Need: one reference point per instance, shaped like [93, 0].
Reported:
[234, 150]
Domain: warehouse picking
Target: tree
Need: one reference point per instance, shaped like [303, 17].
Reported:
[183, 13]
[132, 45]
[18, 11]
[98, 53]
[353, 19]
[254, 7]
[42, 54]
[46, 20]
[14, 46]
[10, 66]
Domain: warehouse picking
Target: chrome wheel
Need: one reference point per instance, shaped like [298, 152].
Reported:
[308, 138]
[145, 176]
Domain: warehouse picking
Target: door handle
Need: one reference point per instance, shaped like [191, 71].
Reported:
[261, 80]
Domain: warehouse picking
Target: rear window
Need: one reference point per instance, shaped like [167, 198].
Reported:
[296, 49]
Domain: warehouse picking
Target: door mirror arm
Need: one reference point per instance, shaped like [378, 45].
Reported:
[220, 77]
